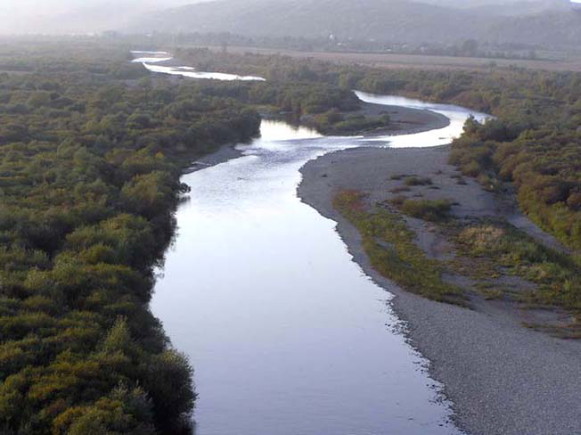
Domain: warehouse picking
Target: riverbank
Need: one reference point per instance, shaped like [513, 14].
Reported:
[502, 377]
[221, 155]
[403, 120]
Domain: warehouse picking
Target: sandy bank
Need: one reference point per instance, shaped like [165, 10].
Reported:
[403, 119]
[502, 377]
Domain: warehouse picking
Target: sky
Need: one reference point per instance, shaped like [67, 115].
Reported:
[18, 16]
[52, 6]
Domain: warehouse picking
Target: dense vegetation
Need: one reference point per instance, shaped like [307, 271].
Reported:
[544, 164]
[90, 158]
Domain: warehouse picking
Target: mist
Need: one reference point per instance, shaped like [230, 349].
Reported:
[73, 16]
[92, 16]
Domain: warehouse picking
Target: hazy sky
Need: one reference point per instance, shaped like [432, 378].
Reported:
[32, 16]
[52, 7]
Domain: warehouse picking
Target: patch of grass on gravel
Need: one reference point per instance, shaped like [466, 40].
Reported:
[390, 247]
[428, 210]
[557, 275]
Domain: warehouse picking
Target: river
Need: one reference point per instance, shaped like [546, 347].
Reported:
[286, 333]
[154, 61]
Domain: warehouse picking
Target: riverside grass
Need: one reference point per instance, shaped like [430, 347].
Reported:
[496, 249]
[390, 247]
[556, 274]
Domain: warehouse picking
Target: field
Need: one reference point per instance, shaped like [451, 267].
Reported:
[550, 61]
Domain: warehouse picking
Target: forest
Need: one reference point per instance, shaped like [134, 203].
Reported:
[91, 152]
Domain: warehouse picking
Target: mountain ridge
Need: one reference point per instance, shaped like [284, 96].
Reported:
[553, 22]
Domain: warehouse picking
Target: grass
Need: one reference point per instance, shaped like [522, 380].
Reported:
[417, 181]
[490, 291]
[557, 275]
[485, 250]
[429, 210]
[414, 61]
[390, 246]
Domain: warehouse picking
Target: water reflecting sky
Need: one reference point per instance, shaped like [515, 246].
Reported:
[286, 333]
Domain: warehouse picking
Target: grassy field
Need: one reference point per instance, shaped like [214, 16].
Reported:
[550, 62]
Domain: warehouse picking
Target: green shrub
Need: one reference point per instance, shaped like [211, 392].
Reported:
[417, 181]
[429, 210]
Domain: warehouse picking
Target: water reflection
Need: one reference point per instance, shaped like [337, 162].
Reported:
[151, 60]
[456, 115]
[287, 334]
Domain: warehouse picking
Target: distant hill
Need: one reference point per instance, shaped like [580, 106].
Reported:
[538, 22]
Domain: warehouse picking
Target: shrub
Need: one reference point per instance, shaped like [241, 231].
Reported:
[429, 210]
[417, 181]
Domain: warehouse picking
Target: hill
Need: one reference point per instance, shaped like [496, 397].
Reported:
[543, 22]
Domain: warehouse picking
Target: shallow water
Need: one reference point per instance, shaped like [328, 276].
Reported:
[286, 333]
[151, 60]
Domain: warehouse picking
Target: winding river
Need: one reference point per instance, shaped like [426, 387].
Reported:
[286, 333]
[154, 61]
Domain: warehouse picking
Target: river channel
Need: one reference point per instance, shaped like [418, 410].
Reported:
[287, 335]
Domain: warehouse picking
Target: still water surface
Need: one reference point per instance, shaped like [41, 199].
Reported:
[152, 61]
[286, 333]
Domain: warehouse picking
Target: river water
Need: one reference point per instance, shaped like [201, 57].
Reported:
[153, 61]
[286, 333]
